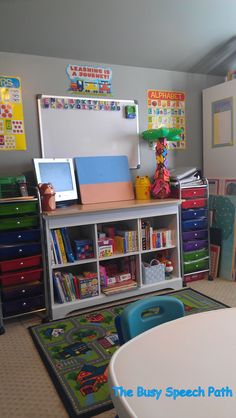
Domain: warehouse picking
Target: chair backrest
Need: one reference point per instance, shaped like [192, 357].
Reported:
[147, 313]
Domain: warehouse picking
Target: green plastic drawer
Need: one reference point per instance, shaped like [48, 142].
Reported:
[195, 255]
[196, 265]
[18, 208]
[18, 222]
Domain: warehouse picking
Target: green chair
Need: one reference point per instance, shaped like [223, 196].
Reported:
[147, 313]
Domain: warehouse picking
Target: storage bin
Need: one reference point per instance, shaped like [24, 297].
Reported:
[195, 245]
[13, 237]
[193, 214]
[194, 192]
[194, 276]
[196, 255]
[20, 263]
[14, 209]
[22, 291]
[195, 265]
[200, 223]
[21, 277]
[152, 273]
[191, 235]
[15, 307]
[9, 252]
[19, 222]
[196, 203]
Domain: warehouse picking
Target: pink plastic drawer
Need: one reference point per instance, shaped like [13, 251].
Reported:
[194, 192]
[21, 277]
[195, 203]
[20, 263]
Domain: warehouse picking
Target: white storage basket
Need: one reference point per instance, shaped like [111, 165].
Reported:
[153, 272]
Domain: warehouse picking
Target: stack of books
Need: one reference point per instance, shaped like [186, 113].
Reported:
[185, 176]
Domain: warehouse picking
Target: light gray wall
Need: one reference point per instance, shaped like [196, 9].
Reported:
[47, 76]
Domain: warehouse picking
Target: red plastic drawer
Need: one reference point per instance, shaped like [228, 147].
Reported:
[24, 276]
[194, 192]
[20, 263]
[194, 276]
[195, 203]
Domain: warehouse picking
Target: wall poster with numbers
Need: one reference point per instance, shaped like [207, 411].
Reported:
[167, 108]
[12, 132]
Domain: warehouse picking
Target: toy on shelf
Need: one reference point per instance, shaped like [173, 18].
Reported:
[160, 187]
[164, 259]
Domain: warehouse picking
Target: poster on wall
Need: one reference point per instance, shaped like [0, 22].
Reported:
[167, 108]
[222, 122]
[12, 131]
[89, 79]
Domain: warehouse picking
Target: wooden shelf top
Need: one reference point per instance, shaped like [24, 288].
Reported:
[98, 207]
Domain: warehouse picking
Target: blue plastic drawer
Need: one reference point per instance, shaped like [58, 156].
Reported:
[194, 214]
[194, 224]
[13, 237]
[22, 291]
[15, 307]
[194, 245]
[9, 252]
[191, 235]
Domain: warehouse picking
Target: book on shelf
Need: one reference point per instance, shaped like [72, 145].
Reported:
[119, 287]
[56, 247]
[61, 245]
[58, 290]
[67, 245]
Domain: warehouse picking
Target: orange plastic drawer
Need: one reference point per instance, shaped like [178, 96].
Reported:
[20, 263]
[195, 203]
[24, 276]
[194, 192]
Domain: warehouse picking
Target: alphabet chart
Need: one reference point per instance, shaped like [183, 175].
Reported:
[167, 109]
[12, 132]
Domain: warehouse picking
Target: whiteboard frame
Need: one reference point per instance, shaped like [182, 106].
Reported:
[131, 102]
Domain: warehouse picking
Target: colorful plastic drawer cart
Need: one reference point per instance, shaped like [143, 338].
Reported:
[194, 230]
[21, 273]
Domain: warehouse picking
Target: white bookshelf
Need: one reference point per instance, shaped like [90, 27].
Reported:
[84, 221]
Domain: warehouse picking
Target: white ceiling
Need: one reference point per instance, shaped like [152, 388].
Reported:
[181, 35]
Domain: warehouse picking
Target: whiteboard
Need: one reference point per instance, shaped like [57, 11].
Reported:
[81, 126]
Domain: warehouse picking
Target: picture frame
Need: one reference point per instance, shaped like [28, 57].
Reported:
[214, 260]
[230, 187]
[222, 122]
[214, 186]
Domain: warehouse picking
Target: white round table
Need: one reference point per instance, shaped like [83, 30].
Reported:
[181, 369]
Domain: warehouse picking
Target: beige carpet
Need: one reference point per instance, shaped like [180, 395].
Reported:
[26, 390]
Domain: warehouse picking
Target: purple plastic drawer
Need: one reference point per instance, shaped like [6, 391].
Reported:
[195, 245]
[191, 235]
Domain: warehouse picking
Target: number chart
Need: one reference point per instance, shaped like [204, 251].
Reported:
[12, 132]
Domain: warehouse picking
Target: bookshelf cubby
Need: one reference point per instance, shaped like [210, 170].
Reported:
[98, 225]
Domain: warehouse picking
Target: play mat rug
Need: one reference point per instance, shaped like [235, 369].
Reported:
[77, 350]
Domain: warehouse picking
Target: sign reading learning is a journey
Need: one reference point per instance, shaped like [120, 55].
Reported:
[89, 79]
[12, 132]
[167, 108]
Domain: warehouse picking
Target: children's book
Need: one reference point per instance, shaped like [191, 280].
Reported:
[61, 245]
[56, 246]
[67, 244]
